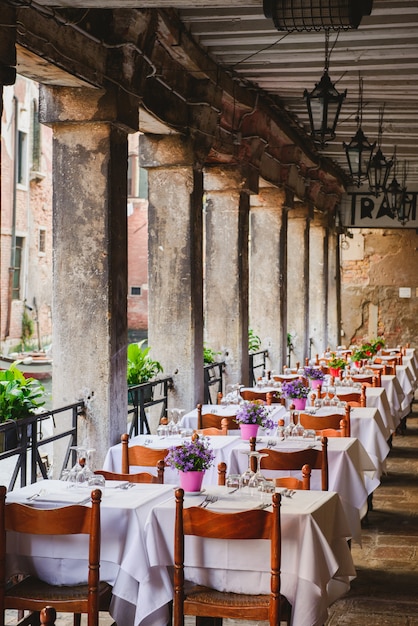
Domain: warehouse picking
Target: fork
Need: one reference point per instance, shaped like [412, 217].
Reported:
[208, 500]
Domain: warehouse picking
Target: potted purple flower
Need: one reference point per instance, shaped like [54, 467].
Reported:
[315, 375]
[191, 459]
[296, 390]
[250, 416]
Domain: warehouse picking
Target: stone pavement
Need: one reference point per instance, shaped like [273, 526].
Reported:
[385, 592]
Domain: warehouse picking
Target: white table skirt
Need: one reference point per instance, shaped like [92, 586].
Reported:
[375, 397]
[352, 473]
[316, 564]
[221, 446]
[395, 395]
[140, 593]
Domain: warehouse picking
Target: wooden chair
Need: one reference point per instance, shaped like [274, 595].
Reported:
[212, 431]
[250, 394]
[32, 594]
[316, 459]
[245, 525]
[139, 477]
[291, 482]
[214, 420]
[335, 421]
[139, 455]
[355, 398]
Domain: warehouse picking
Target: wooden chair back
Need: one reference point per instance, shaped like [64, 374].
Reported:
[316, 459]
[139, 455]
[250, 394]
[214, 420]
[291, 482]
[243, 525]
[354, 399]
[222, 473]
[31, 594]
[139, 477]
[212, 431]
[319, 423]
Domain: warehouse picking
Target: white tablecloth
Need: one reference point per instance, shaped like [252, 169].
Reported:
[316, 563]
[375, 397]
[140, 592]
[189, 420]
[221, 446]
[352, 474]
[395, 395]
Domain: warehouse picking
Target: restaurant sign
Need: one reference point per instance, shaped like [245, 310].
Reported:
[364, 210]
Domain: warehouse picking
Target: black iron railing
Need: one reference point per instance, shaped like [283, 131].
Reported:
[258, 363]
[144, 396]
[213, 380]
[23, 439]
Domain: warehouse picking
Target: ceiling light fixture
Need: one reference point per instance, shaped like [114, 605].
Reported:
[380, 167]
[359, 151]
[308, 15]
[324, 104]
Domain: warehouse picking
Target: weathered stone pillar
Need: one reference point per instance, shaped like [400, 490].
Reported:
[226, 269]
[90, 257]
[334, 291]
[298, 280]
[318, 284]
[175, 309]
[268, 258]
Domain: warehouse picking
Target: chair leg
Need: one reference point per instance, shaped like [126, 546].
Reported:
[77, 619]
[32, 619]
[208, 621]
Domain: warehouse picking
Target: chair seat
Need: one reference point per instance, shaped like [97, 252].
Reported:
[60, 595]
[238, 605]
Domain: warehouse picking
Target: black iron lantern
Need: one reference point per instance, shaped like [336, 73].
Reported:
[379, 167]
[324, 104]
[397, 199]
[359, 151]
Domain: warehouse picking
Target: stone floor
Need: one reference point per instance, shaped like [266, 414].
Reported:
[385, 592]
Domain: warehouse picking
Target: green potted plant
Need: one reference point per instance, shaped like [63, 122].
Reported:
[20, 397]
[141, 368]
[209, 355]
[336, 364]
[254, 341]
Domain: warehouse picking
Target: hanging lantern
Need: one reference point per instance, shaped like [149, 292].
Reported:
[308, 15]
[324, 105]
[359, 151]
[379, 167]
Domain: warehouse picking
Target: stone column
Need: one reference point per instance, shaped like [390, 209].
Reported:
[226, 269]
[318, 284]
[175, 275]
[298, 280]
[90, 257]
[334, 291]
[267, 289]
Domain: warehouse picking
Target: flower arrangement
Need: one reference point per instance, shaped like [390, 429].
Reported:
[191, 456]
[336, 362]
[295, 389]
[314, 373]
[377, 344]
[253, 412]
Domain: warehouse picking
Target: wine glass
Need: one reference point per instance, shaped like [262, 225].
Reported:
[257, 480]
[79, 464]
[249, 473]
[86, 473]
[298, 430]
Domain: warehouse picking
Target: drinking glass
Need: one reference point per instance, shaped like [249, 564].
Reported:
[84, 475]
[248, 474]
[233, 482]
[79, 464]
[298, 430]
[257, 480]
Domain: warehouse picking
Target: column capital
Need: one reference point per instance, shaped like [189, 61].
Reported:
[234, 177]
[165, 151]
[80, 105]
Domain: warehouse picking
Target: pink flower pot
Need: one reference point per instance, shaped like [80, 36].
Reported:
[316, 383]
[191, 481]
[300, 403]
[248, 430]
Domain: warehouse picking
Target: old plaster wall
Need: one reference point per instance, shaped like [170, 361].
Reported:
[379, 286]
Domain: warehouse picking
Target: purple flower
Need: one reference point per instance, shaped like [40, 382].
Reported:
[314, 373]
[252, 412]
[191, 456]
[295, 389]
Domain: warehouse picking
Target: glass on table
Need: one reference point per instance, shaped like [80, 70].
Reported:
[257, 480]
[233, 482]
[97, 481]
[84, 475]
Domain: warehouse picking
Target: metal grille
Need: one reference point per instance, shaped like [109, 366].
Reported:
[307, 15]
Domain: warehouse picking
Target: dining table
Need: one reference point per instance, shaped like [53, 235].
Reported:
[316, 562]
[140, 592]
[221, 446]
[352, 473]
[189, 419]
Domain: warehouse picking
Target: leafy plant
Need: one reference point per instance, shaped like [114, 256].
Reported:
[295, 389]
[209, 355]
[254, 341]
[140, 366]
[19, 396]
[336, 362]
